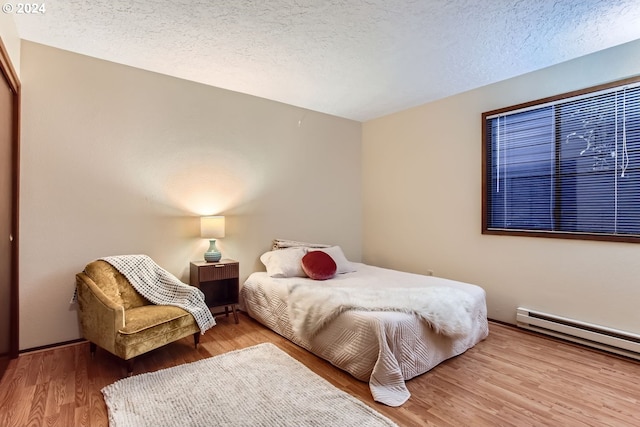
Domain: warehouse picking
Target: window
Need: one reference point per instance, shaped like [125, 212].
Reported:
[566, 166]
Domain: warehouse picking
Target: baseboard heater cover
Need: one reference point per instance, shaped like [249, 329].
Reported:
[601, 337]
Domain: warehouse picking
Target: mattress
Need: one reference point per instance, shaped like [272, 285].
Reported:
[382, 348]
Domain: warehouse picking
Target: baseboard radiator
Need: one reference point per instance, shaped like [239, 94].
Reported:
[603, 338]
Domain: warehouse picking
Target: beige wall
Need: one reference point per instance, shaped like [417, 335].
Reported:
[10, 39]
[116, 160]
[422, 202]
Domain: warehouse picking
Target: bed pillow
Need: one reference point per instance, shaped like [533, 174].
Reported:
[284, 262]
[283, 244]
[319, 265]
[342, 263]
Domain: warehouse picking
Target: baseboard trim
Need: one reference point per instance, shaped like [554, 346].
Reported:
[52, 346]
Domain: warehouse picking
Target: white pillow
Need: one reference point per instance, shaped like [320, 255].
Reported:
[284, 262]
[342, 263]
[282, 244]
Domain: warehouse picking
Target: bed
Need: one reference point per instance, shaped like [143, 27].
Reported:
[383, 345]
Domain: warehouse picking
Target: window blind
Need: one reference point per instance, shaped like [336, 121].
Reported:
[569, 165]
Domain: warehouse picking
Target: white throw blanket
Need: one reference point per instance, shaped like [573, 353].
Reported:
[161, 287]
[447, 310]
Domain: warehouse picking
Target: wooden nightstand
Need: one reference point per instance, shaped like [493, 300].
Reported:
[219, 282]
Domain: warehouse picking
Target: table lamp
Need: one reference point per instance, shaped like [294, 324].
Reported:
[212, 227]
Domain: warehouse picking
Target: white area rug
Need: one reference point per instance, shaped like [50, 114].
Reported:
[255, 386]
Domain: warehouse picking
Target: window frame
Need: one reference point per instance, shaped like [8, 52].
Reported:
[486, 162]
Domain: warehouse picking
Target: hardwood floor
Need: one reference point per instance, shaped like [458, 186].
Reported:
[513, 378]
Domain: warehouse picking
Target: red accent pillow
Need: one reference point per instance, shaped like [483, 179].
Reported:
[319, 265]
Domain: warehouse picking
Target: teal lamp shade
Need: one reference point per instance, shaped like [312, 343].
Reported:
[212, 227]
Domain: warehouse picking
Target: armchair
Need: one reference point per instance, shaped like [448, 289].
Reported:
[116, 318]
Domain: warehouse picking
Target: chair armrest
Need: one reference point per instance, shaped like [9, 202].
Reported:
[100, 318]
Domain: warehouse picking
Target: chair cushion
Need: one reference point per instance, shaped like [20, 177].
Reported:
[148, 317]
[152, 326]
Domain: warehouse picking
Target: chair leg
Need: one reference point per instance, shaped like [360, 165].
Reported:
[92, 349]
[130, 366]
[196, 339]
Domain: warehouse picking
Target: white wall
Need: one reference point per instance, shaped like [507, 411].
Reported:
[116, 160]
[10, 39]
[422, 205]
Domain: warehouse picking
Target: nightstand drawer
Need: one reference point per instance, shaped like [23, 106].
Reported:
[218, 272]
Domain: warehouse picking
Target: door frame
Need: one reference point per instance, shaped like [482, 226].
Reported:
[9, 73]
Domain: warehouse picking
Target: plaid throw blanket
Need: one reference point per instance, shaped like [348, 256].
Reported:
[161, 287]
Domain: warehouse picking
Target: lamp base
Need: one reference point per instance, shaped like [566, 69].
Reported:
[212, 254]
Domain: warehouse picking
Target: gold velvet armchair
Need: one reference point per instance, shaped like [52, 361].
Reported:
[116, 318]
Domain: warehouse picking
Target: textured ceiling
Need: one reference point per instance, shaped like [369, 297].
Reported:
[358, 59]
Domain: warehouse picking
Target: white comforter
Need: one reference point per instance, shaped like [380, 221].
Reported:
[383, 348]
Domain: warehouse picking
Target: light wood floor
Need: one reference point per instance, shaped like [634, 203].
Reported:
[513, 378]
